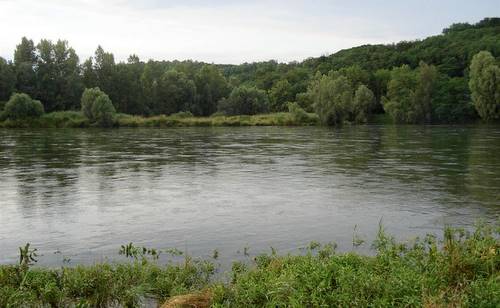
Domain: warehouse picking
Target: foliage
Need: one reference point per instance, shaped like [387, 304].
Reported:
[21, 106]
[97, 107]
[300, 116]
[410, 93]
[87, 101]
[100, 285]
[211, 87]
[363, 103]
[331, 98]
[460, 270]
[246, 101]
[464, 272]
[7, 80]
[452, 103]
[485, 85]
[103, 111]
[52, 73]
[335, 101]
[175, 92]
[27, 256]
[280, 94]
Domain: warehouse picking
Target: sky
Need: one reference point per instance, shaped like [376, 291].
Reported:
[229, 31]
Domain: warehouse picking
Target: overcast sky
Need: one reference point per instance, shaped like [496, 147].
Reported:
[229, 31]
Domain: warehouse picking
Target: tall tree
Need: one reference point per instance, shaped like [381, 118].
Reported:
[24, 61]
[425, 91]
[280, 94]
[363, 102]
[485, 85]
[100, 71]
[332, 99]
[127, 82]
[149, 80]
[7, 79]
[211, 86]
[400, 95]
[175, 93]
[58, 76]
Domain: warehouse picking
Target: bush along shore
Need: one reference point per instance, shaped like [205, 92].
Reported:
[76, 119]
[459, 270]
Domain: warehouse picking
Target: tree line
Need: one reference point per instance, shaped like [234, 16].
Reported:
[448, 78]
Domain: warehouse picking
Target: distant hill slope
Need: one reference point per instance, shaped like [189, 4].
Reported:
[450, 51]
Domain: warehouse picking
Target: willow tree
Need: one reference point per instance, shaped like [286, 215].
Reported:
[363, 102]
[485, 86]
[332, 99]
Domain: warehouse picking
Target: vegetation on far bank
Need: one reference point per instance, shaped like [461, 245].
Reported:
[461, 270]
[449, 78]
[76, 119]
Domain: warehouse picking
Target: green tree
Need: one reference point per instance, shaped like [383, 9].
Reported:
[99, 71]
[103, 111]
[59, 83]
[7, 80]
[98, 107]
[485, 85]
[399, 102]
[381, 78]
[280, 94]
[175, 93]
[305, 101]
[332, 99]
[149, 84]
[245, 100]
[425, 91]
[354, 74]
[127, 82]
[89, 76]
[363, 102]
[25, 59]
[22, 106]
[452, 103]
[211, 87]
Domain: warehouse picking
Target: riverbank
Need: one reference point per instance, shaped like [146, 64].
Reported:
[76, 119]
[463, 270]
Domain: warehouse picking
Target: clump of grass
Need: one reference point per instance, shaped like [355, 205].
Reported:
[461, 270]
[100, 285]
[59, 119]
[75, 119]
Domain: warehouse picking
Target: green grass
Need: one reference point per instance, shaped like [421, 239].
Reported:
[66, 119]
[462, 270]
[59, 119]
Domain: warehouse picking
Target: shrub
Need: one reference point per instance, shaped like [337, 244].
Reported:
[103, 111]
[21, 106]
[88, 98]
[97, 107]
[245, 101]
[299, 115]
[182, 114]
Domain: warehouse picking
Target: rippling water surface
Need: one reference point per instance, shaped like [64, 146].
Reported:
[85, 192]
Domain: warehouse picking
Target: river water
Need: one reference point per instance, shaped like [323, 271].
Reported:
[79, 194]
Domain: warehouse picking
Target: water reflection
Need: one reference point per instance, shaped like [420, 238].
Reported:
[88, 191]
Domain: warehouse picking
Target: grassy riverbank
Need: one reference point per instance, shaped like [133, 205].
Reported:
[75, 119]
[461, 270]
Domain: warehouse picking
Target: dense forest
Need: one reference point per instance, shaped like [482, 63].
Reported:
[447, 78]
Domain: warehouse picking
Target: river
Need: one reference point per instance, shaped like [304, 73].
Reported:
[78, 194]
